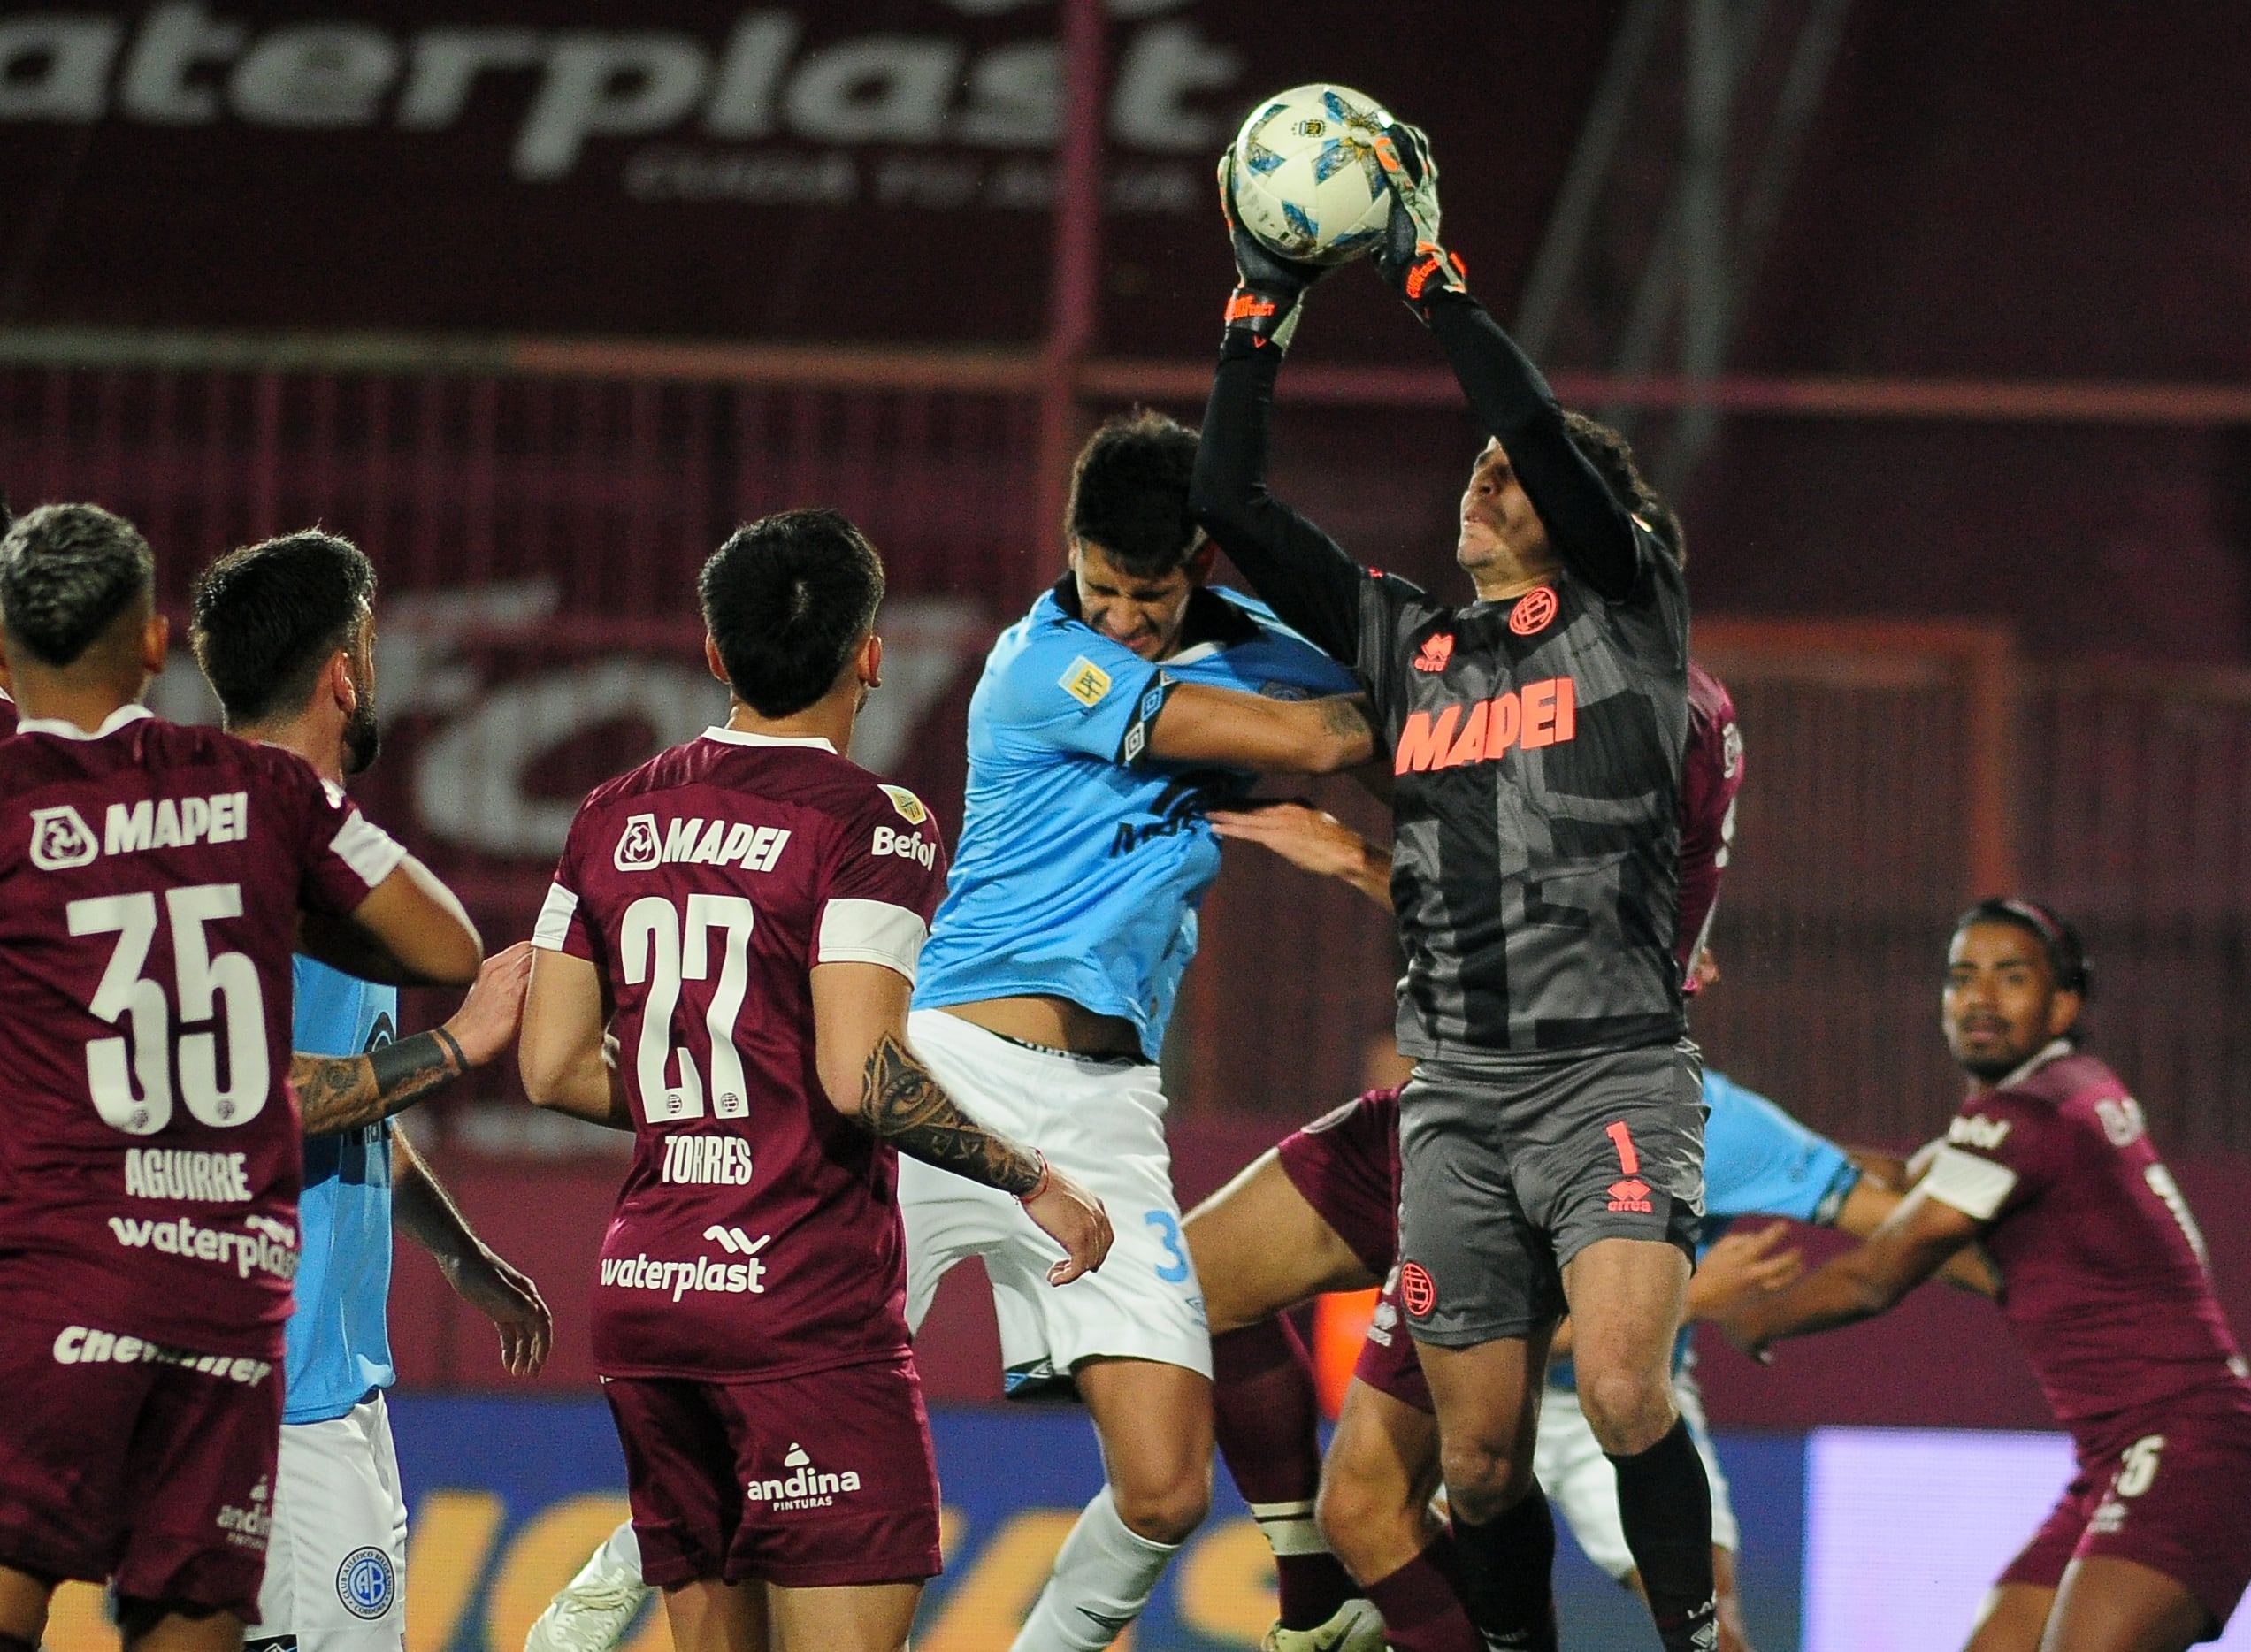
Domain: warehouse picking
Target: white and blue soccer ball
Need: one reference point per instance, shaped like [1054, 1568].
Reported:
[1305, 178]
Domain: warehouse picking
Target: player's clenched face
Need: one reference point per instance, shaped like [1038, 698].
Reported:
[1146, 613]
[1502, 536]
[2002, 1003]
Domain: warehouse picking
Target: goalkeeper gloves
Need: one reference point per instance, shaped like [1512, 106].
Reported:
[1268, 288]
[1408, 257]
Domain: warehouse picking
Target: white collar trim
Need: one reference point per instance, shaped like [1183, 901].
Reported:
[741, 736]
[2055, 1050]
[66, 730]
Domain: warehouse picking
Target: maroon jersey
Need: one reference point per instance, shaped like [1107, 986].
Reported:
[7, 715]
[150, 879]
[1711, 772]
[2103, 1270]
[757, 1233]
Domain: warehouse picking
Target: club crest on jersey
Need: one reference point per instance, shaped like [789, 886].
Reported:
[909, 806]
[61, 839]
[1085, 682]
[640, 849]
[1533, 610]
[1435, 651]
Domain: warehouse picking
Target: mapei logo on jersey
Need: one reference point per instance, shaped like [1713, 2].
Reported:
[805, 1487]
[1545, 712]
[60, 839]
[638, 1273]
[83, 1345]
[695, 841]
[270, 1247]
[908, 845]
[1085, 682]
[707, 1161]
[1975, 1130]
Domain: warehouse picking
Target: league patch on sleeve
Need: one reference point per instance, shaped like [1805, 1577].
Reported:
[909, 806]
[1085, 682]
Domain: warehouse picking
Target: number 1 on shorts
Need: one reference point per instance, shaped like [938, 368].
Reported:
[1629, 1162]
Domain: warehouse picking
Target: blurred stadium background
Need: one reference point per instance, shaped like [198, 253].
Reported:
[1929, 316]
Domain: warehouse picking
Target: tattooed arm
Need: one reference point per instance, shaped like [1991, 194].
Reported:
[343, 1092]
[873, 1077]
[1197, 723]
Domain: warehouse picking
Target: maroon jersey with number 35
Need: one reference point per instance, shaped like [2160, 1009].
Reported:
[150, 879]
[757, 1233]
[2104, 1269]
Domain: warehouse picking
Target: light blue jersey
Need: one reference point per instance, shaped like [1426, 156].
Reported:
[1080, 866]
[340, 1339]
[1757, 1161]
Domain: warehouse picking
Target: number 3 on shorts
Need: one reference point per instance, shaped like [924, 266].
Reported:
[1167, 1226]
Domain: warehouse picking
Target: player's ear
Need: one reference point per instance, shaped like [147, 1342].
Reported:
[2063, 1012]
[711, 659]
[155, 643]
[1199, 565]
[340, 683]
[871, 660]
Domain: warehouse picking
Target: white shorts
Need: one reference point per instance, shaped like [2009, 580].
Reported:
[1581, 1482]
[1102, 1123]
[335, 1564]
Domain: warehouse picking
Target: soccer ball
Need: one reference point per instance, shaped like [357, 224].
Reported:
[1305, 179]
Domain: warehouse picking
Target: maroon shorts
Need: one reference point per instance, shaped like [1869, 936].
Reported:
[1346, 1163]
[1388, 1362]
[2169, 1495]
[122, 1458]
[816, 1482]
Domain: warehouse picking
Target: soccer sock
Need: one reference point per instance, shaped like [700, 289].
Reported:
[1421, 1604]
[1665, 1504]
[1508, 1571]
[1266, 1417]
[1103, 1577]
[623, 1552]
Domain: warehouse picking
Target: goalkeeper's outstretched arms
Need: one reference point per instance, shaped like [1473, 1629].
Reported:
[1589, 528]
[1305, 575]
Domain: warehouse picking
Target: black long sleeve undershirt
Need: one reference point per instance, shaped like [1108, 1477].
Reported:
[1308, 577]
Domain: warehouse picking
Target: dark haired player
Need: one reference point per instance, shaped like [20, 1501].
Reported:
[746, 912]
[2105, 1283]
[1550, 1140]
[285, 633]
[152, 880]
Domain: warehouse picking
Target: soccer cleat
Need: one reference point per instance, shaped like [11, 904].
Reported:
[1357, 1627]
[592, 1612]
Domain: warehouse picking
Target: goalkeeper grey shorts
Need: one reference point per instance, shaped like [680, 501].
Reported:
[1509, 1168]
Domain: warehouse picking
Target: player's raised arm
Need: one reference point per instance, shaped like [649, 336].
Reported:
[1915, 1241]
[1307, 577]
[872, 1077]
[346, 1092]
[411, 930]
[1588, 526]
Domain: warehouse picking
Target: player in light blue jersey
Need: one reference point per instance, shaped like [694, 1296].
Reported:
[284, 630]
[1133, 697]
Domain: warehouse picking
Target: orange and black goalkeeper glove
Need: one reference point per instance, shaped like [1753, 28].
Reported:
[1264, 308]
[1408, 257]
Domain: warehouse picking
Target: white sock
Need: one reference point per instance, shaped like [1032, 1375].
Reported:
[1103, 1577]
[623, 1552]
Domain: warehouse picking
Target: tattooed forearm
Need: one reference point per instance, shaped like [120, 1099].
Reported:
[900, 1102]
[343, 1092]
[1345, 714]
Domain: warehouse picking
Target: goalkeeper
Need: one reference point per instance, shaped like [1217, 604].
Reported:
[1552, 1138]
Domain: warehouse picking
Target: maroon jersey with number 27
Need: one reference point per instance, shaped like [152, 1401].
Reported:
[757, 1233]
[150, 879]
[2104, 1271]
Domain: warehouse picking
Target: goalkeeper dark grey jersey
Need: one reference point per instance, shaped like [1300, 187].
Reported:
[1536, 743]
